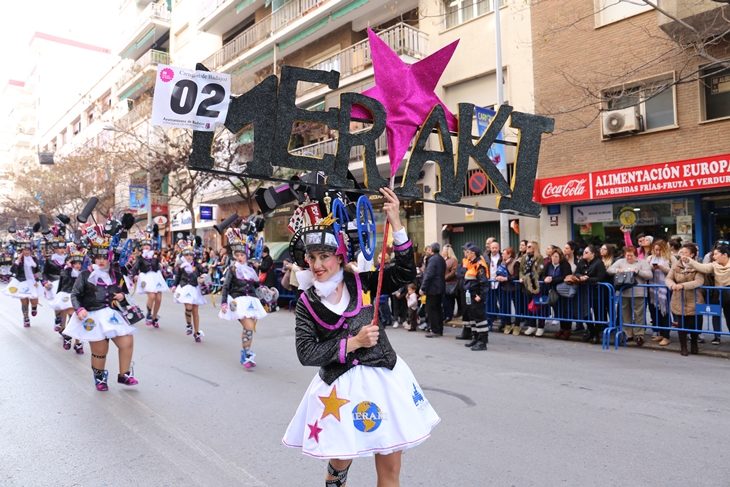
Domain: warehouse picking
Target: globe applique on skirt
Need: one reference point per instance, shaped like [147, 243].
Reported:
[365, 411]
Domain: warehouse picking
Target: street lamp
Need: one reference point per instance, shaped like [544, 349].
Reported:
[111, 128]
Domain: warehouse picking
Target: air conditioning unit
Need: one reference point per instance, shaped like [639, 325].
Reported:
[623, 121]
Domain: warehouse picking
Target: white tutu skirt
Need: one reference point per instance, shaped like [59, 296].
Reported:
[49, 294]
[151, 282]
[98, 325]
[61, 302]
[189, 295]
[243, 307]
[5, 270]
[22, 290]
[367, 410]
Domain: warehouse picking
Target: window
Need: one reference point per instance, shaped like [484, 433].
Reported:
[182, 37]
[76, 126]
[715, 95]
[460, 11]
[481, 91]
[655, 100]
[609, 11]
[90, 116]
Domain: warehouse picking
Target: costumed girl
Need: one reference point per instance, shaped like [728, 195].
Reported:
[6, 262]
[25, 284]
[148, 276]
[364, 400]
[61, 303]
[187, 290]
[239, 300]
[95, 296]
[55, 262]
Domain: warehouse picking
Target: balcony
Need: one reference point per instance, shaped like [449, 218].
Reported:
[23, 140]
[329, 146]
[141, 74]
[403, 39]
[220, 16]
[151, 24]
[141, 112]
[708, 18]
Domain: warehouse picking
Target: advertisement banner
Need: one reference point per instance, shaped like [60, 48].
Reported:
[185, 98]
[688, 175]
[137, 197]
[496, 152]
[593, 214]
[159, 209]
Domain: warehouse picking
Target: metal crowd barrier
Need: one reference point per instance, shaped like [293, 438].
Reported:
[708, 302]
[593, 305]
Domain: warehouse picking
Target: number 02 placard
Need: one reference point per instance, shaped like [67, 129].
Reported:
[190, 99]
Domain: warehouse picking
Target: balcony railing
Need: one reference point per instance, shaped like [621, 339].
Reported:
[318, 149]
[153, 11]
[140, 112]
[402, 38]
[261, 31]
[207, 7]
[149, 59]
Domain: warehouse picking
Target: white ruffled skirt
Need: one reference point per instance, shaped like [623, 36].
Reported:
[243, 307]
[61, 302]
[367, 410]
[49, 294]
[23, 289]
[189, 295]
[151, 282]
[5, 270]
[98, 325]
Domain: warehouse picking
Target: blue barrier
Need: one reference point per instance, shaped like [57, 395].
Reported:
[709, 301]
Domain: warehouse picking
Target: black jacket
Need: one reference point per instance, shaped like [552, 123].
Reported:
[434, 279]
[51, 271]
[565, 270]
[94, 297]
[182, 278]
[142, 265]
[66, 282]
[237, 287]
[18, 269]
[595, 271]
[321, 335]
[267, 266]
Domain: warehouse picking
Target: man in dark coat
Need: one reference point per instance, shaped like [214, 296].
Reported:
[434, 286]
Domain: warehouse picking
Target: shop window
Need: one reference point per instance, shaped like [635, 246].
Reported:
[654, 99]
[609, 11]
[715, 85]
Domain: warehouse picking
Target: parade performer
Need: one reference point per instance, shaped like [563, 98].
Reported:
[55, 262]
[240, 301]
[6, 262]
[25, 284]
[96, 295]
[187, 290]
[474, 279]
[61, 303]
[364, 400]
[148, 276]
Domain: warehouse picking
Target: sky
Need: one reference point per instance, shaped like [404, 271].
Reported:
[90, 21]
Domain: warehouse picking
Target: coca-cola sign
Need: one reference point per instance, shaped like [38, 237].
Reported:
[573, 187]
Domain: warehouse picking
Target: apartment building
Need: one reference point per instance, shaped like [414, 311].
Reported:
[641, 124]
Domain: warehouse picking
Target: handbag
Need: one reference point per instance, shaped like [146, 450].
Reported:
[624, 279]
[451, 289]
[553, 296]
[262, 277]
[566, 290]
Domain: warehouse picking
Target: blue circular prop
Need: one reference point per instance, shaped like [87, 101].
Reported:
[259, 248]
[339, 211]
[250, 242]
[126, 252]
[365, 219]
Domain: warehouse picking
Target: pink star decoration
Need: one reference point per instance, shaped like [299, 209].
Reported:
[406, 92]
[314, 431]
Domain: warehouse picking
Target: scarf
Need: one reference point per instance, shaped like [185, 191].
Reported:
[187, 266]
[659, 295]
[99, 274]
[28, 265]
[148, 254]
[245, 272]
[75, 273]
[59, 259]
[324, 289]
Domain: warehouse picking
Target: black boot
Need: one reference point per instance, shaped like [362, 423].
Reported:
[465, 333]
[481, 343]
[474, 338]
[683, 343]
[693, 348]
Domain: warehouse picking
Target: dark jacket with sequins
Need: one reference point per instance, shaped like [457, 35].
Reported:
[183, 278]
[94, 297]
[237, 287]
[142, 265]
[51, 270]
[67, 281]
[18, 270]
[321, 335]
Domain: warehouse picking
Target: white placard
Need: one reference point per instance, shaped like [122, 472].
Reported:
[190, 99]
[593, 214]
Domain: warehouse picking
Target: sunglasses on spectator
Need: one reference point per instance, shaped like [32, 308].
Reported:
[529, 246]
[723, 242]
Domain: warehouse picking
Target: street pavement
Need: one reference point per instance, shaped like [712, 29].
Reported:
[527, 412]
